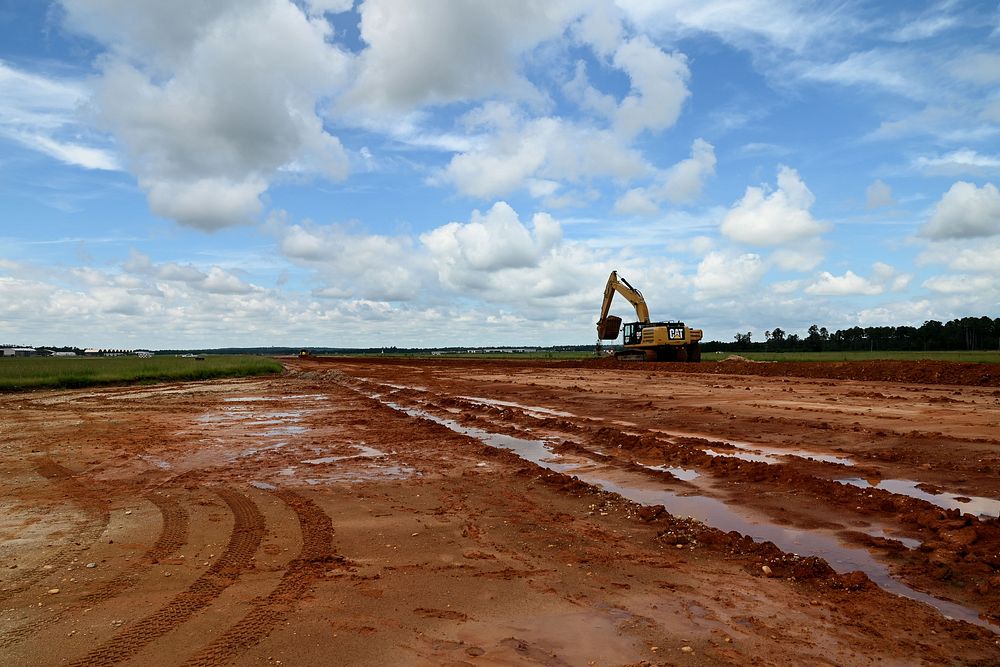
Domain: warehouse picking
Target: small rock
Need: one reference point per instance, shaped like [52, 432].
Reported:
[46, 567]
[766, 570]
[53, 591]
[128, 512]
[687, 649]
[91, 565]
[166, 574]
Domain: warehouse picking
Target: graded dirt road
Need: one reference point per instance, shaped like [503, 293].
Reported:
[370, 512]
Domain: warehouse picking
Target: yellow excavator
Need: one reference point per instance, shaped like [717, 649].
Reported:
[645, 340]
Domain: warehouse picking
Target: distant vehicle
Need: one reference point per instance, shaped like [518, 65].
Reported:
[304, 353]
[645, 340]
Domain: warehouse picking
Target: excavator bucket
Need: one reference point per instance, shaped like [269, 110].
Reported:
[609, 327]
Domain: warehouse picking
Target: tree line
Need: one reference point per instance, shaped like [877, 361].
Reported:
[967, 333]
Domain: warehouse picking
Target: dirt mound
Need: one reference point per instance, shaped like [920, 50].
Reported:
[883, 370]
[911, 372]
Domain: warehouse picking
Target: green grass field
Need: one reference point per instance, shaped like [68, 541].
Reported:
[18, 374]
[978, 357]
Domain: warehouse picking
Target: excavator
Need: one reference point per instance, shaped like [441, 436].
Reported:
[645, 340]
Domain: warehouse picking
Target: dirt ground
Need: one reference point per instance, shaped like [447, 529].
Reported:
[389, 512]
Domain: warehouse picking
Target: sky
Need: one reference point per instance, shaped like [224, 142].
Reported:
[425, 173]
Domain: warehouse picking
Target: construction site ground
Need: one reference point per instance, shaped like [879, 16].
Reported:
[474, 512]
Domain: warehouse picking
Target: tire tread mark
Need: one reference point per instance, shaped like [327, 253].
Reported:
[316, 555]
[173, 535]
[90, 503]
[247, 533]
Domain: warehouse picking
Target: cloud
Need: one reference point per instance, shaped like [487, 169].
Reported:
[787, 25]
[371, 266]
[139, 269]
[683, 182]
[897, 313]
[425, 52]
[782, 216]
[979, 68]
[878, 195]
[964, 161]
[964, 255]
[42, 114]
[329, 6]
[960, 284]
[724, 273]
[895, 71]
[659, 86]
[464, 252]
[850, 284]
[204, 126]
[520, 152]
[965, 211]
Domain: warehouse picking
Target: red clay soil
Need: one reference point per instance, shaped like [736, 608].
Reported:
[456, 512]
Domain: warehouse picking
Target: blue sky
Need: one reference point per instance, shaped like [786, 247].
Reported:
[432, 172]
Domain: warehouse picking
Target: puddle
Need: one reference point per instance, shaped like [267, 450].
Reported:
[252, 418]
[683, 474]
[159, 463]
[263, 485]
[743, 456]
[258, 450]
[283, 430]
[364, 452]
[533, 410]
[907, 542]
[392, 472]
[975, 505]
[402, 386]
[257, 399]
[763, 453]
[711, 512]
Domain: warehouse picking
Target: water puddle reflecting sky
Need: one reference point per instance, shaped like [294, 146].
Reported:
[710, 511]
[975, 505]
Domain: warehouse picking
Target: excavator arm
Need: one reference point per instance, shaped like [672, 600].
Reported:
[608, 326]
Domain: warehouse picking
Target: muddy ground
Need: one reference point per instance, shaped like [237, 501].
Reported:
[491, 513]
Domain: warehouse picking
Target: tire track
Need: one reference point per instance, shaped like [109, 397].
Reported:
[89, 502]
[247, 533]
[316, 555]
[173, 535]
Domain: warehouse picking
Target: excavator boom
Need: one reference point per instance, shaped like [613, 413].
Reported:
[608, 327]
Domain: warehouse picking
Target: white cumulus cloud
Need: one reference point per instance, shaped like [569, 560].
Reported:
[965, 211]
[465, 252]
[724, 273]
[765, 218]
[883, 277]
[683, 182]
[210, 100]
[428, 52]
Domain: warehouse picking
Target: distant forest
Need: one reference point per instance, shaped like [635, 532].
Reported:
[967, 333]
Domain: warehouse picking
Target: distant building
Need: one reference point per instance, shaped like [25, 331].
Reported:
[64, 354]
[18, 351]
[143, 354]
[104, 352]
